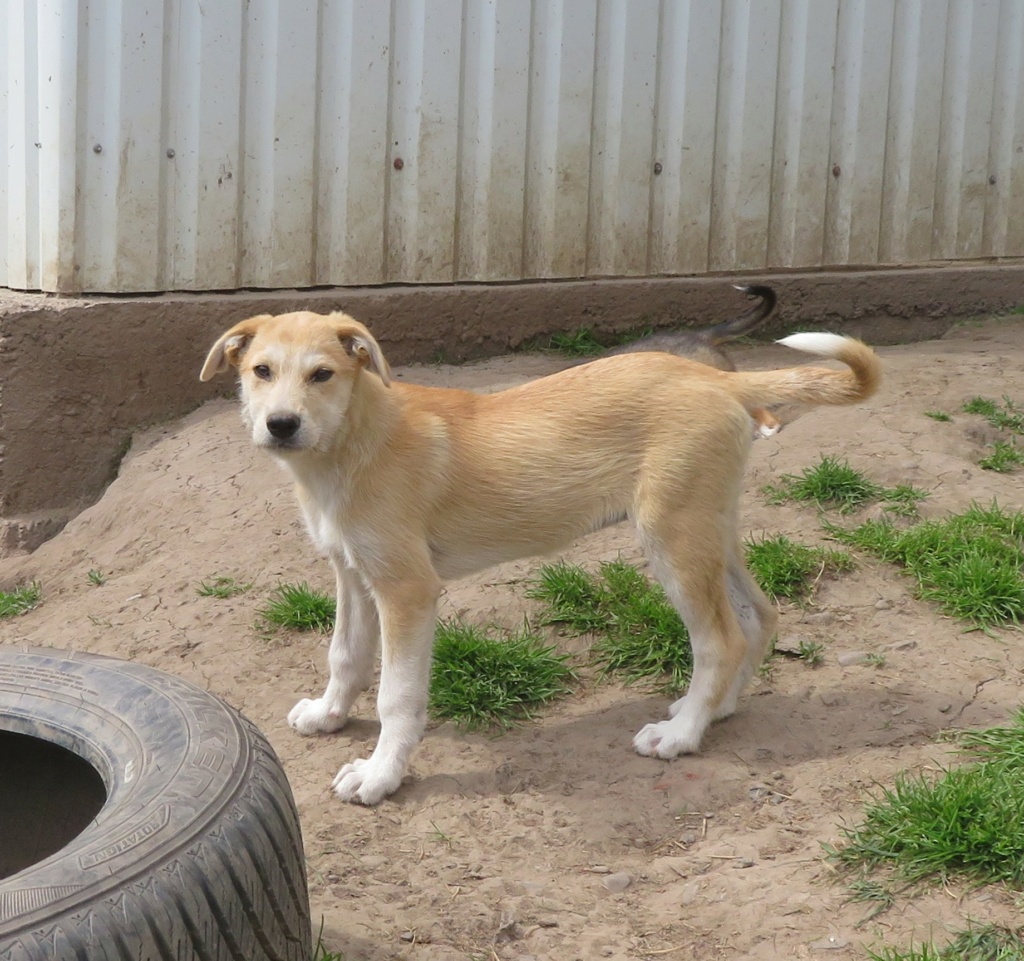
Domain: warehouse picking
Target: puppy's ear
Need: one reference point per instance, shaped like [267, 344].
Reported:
[360, 345]
[230, 347]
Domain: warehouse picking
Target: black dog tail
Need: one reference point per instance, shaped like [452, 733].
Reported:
[747, 322]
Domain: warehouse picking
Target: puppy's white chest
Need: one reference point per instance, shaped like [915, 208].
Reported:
[325, 532]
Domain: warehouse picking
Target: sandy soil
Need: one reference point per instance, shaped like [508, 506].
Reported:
[500, 847]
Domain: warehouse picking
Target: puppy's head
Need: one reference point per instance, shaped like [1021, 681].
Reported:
[297, 373]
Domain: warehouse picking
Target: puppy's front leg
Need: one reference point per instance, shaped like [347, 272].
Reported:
[350, 657]
[407, 612]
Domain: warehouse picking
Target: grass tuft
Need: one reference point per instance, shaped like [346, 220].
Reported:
[834, 483]
[478, 680]
[903, 499]
[812, 653]
[867, 890]
[939, 415]
[879, 896]
[222, 587]
[578, 343]
[970, 564]
[299, 607]
[573, 596]
[786, 569]
[831, 483]
[20, 600]
[984, 406]
[639, 635]
[968, 821]
[1006, 417]
[320, 952]
[583, 342]
[986, 942]
[1005, 457]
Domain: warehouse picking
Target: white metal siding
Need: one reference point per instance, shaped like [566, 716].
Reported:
[179, 144]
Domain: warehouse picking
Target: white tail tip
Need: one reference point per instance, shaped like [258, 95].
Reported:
[825, 345]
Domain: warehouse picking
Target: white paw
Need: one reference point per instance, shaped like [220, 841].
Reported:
[666, 739]
[314, 716]
[764, 431]
[366, 781]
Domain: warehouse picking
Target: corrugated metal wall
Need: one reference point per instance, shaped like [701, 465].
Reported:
[174, 144]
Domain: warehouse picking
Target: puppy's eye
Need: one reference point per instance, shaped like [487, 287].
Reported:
[321, 374]
[262, 371]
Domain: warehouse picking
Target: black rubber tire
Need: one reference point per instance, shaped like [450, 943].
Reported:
[196, 852]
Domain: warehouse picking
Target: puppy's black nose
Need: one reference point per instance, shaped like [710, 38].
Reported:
[282, 426]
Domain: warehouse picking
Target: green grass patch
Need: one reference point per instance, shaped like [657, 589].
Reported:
[574, 598]
[903, 499]
[221, 587]
[578, 343]
[830, 483]
[1007, 416]
[986, 942]
[479, 680]
[970, 564]
[638, 634]
[20, 600]
[812, 653]
[320, 952]
[966, 822]
[984, 406]
[786, 569]
[939, 415]
[298, 607]
[834, 483]
[868, 891]
[1005, 457]
[583, 342]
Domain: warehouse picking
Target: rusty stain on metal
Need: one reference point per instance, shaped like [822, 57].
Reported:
[399, 163]
[836, 170]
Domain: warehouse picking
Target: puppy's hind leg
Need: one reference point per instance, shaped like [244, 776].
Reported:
[692, 571]
[350, 657]
[758, 620]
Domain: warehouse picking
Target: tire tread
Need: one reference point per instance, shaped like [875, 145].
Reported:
[233, 888]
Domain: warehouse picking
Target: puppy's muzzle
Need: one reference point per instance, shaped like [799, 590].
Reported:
[283, 426]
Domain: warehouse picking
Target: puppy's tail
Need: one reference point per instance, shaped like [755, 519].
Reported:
[815, 385]
[746, 322]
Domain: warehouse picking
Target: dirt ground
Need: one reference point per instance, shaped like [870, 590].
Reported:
[503, 847]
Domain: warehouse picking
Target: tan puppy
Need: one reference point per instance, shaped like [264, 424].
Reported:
[404, 487]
